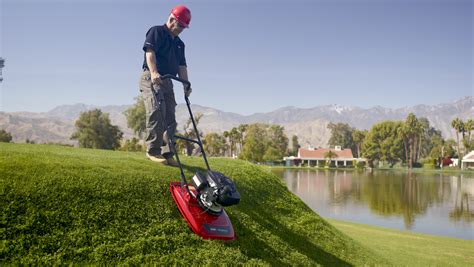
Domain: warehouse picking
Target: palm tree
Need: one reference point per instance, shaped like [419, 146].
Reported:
[417, 135]
[234, 137]
[424, 125]
[468, 127]
[226, 135]
[242, 129]
[458, 125]
[358, 138]
[412, 130]
[403, 134]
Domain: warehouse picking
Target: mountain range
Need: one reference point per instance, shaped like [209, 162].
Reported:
[309, 124]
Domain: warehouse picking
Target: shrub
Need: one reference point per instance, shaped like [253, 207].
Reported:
[5, 136]
[132, 145]
[360, 165]
[429, 166]
[417, 165]
[428, 161]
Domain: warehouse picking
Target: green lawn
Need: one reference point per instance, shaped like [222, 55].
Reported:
[65, 205]
[410, 249]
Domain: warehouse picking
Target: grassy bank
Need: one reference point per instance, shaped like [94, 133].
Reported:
[405, 248]
[70, 205]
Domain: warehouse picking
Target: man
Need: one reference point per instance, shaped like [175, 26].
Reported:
[164, 54]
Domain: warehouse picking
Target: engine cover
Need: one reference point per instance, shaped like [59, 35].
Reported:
[227, 193]
[214, 191]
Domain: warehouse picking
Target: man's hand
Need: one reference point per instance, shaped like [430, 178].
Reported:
[187, 91]
[183, 74]
[155, 78]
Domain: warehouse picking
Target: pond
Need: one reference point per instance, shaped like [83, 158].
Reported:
[436, 204]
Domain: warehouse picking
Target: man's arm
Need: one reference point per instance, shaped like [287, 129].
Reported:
[151, 63]
[183, 74]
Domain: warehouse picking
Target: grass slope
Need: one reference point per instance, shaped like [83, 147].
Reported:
[62, 205]
[411, 249]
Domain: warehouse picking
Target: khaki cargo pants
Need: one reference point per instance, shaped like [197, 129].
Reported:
[160, 107]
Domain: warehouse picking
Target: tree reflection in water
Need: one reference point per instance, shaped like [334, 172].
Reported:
[461, 211]
[386, 193]
[394, 194]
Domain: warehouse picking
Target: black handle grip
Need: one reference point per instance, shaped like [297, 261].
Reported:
[169, 76]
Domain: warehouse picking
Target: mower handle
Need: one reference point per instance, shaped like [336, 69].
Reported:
[169, 76]
[198, 141]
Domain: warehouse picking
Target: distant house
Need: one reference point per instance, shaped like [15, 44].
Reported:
[311, 156]
[468, 161]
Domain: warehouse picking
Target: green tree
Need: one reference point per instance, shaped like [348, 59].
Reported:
[450, 148]
[278, 141]
[232, 138]
[271, 154]
[458, 125]
[437, 143]
[94, 130]
[428, 139]
[403, 134]
[264, 142]
[5, 136]
[468, 128]
[442, 148]
[136, 117]
[215, 144]
[412, 129]
[384, 143]
[226, 135]
[341, 135]
[235, 137]
[254, 143]
[423, 138]
[295, 145]
[241, 129]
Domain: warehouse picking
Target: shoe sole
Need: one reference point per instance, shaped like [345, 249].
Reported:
[157, 160]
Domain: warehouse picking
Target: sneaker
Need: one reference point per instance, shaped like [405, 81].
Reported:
[171, 162]
[157, 158]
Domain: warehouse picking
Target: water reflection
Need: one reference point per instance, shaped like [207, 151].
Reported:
[461, 209]
[436, 204]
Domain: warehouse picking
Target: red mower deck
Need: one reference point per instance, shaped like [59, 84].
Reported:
[206, 225]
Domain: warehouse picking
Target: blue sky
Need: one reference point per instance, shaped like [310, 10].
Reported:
[243, 56]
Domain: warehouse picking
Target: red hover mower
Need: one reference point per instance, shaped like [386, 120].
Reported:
[201, 202]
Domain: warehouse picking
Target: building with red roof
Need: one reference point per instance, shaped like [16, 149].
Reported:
[310, 156]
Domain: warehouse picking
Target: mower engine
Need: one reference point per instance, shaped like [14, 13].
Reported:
[214, 190]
